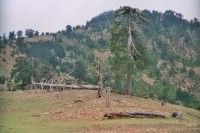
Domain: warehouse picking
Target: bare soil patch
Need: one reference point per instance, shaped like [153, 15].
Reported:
[102, 56]
[160, 62]
[179, 65]
[6, 59]
[197, 70]
[39, 38]
[148, 80]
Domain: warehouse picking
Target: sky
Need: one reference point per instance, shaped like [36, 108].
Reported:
[54, 15]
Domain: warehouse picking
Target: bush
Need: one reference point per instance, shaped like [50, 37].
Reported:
[191, 73]
[2, 79]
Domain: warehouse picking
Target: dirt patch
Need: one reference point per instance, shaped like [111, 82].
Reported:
[197, 70]
[82, 114]
[160, 62]
[179, 65]
[188, 68]
[40, 38]
[6, 60]
[102, 56]
[1, 87]
[148, 80]
[68, 41]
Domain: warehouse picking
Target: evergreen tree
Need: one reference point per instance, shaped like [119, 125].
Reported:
[12, 35]
[5, 41]
[22, 72]
[80, 71]
[1, 43]
[19, 33]
[68, 28]
[125, 44]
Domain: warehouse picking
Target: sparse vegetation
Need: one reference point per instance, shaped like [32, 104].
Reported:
[168, 40]
[50, 112]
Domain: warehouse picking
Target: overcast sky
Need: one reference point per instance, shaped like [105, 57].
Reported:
[54, 15]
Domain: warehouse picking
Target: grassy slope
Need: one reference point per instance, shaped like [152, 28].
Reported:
[31, 112]
[6, 66]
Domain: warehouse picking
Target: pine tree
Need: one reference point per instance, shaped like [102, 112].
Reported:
[125, 44]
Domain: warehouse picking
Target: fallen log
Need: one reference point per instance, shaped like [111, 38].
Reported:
[78, 87]
[133, 115]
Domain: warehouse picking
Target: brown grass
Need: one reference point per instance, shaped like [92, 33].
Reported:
[58, 109]
[197, 70]
[39, 38]
[102, 56]
[9, 60]
[179, 65]
[148, 80]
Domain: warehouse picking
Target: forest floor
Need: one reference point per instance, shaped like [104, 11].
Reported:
[81, 111]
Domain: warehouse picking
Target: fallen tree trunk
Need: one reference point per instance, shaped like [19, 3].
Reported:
[64, 86]
[133, 115]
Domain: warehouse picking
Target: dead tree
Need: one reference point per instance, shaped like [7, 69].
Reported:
[6, 87]
[52, 85]
[106, 94]
[48, 83]
[31, 82]
[100, 79]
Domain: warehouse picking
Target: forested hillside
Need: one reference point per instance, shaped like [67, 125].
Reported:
[171, 71]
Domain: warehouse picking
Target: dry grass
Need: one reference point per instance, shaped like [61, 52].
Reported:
[179, 65]
[56, 112]
[197, 70]
[148, 80]
[102, 56]
[39, 38]
[6, 60]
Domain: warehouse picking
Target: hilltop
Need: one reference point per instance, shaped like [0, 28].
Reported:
[81, 111]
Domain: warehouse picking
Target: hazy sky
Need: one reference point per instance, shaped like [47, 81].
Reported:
[54, 15]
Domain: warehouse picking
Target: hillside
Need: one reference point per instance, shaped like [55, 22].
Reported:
[81, 111]
[171, 71]
[6, 60]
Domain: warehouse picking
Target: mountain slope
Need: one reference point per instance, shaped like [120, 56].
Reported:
[173, 49]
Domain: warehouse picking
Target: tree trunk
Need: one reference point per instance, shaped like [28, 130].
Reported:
[129, 37]
[6, 88]
[100, 79]
[129, 83]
